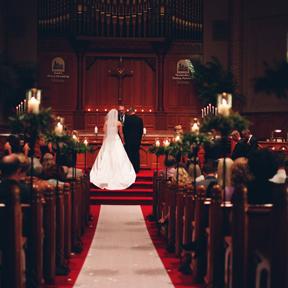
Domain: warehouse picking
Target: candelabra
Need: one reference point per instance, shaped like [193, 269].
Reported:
[209, 110]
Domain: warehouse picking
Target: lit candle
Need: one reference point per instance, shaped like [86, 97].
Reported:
[177, 138]
[58, 129]
[166, 142]
[202, 113]
[85, 142]
[157, 143]
[144, 131]
[224, 108]
[74, 137]
[96, 130]
[38, 96]
[195, 128]
[29, 95]
[33, 105]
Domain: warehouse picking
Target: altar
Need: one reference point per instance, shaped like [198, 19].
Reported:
[147, 160]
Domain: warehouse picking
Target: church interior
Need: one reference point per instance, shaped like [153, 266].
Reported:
[208, 83]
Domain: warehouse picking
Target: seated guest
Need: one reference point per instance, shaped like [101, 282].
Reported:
[12, 145]
[280, 177]
[181, 177]
[50, 170]
[227, 177]
[263, 166]
[240, 174]
[241, 148]
[235, 138]
[170, 164]
[190, 167]
[44, 147]
[12, 172]
[210, 179]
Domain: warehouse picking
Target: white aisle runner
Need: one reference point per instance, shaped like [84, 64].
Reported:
[122, 253]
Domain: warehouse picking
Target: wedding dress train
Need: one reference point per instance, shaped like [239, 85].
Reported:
[112, 169]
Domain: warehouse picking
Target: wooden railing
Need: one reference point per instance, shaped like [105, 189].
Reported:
[181, 19]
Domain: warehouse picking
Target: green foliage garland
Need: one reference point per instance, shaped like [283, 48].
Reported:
[224, 124]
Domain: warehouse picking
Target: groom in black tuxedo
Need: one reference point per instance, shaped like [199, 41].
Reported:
[132, 130]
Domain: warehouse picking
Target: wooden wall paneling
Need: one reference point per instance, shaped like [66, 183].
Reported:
[59, 91]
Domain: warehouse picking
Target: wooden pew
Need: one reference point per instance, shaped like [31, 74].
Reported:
[198, 263]
[76, 216]
[11, 241]
[49, 244]
[61, 263]
[188, 217]
[259, 249]
[67, 220]
[179, 214]
[279, 261]
[260, 241]
[171, 192]
[34, 255]
[218, 239]
[238, 237]
[156, 193]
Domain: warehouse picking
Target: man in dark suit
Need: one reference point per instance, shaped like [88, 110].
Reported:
[133, 130]
[121, 114]
[250, 140]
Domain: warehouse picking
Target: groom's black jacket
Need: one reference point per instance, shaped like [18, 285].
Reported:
[133, 130]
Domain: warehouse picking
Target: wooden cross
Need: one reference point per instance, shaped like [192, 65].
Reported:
[120, 72]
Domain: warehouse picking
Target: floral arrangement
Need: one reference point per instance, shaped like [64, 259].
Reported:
[224, 124]
[32, 124]
[185, 144]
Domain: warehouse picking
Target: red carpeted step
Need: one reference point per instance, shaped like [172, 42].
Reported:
[120, 200]
[126, 192]
[141, 192]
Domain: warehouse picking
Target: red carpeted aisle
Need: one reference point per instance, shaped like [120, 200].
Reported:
[129, 196]
[77, 260]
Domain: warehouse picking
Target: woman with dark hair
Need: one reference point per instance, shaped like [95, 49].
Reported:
[13, 145]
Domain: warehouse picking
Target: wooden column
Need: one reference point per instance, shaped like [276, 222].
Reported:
[161, 50]
[160, 76]
[80, 48]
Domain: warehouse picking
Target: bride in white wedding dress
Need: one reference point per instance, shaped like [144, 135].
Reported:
[112, 169]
